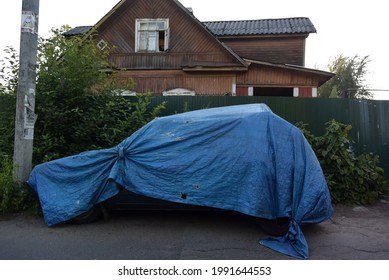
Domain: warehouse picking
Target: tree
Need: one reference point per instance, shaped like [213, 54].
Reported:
[77, 104]
[349, 81]
[9, 70]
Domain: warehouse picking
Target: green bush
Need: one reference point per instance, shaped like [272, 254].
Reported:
[14, 197]
[351, 178]
[7, 124]
[88, 122]
[83, 123]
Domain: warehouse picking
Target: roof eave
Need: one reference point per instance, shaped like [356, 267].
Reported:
[103, 19]
[213, 69]
[263, 36]
[324, 74]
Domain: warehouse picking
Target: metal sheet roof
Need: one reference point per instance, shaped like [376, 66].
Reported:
[79, 30]
[280, 26]
[299, 25]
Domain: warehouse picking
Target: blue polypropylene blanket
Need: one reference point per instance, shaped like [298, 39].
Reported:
[242, 158]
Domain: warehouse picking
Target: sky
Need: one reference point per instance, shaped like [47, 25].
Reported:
[350, 28]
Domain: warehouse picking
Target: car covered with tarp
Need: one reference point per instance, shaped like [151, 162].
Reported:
[242, 158]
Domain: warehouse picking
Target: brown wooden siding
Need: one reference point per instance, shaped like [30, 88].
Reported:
[242, 91]
[188, 39]
[157, 81]
[166, 60]
[305, 92]
[263, 75]
[284, 50]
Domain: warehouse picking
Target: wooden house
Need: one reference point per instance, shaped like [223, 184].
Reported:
[165, 49]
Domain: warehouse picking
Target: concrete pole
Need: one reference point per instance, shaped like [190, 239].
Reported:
[25, 104]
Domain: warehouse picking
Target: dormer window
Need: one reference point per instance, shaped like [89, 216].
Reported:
[152, 35]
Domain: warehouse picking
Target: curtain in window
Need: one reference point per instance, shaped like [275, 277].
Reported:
[148, 41]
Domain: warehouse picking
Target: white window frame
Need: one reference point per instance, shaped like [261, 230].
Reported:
[123, 92]
[179, 92]
[296, 92]
[151, 32]
[314, 92]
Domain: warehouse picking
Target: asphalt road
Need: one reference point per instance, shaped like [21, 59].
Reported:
[352, 233]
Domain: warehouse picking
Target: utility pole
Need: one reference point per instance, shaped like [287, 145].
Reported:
[25, 105]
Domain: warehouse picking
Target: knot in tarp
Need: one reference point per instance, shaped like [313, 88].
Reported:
[120, 150]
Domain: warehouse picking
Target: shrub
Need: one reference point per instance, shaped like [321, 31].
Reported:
[87, 122]
[351, 178]
[7, 124]
[14, 197]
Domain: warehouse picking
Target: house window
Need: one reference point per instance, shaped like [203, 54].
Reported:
[179, 92]
[152, 35]
[123, 92]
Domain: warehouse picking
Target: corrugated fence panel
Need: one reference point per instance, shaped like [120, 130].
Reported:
[369, 118]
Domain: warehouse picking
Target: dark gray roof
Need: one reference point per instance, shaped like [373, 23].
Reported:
[280, 26]
[261, 27]
[79, 30]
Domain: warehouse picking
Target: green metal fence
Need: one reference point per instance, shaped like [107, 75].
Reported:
[369, 118]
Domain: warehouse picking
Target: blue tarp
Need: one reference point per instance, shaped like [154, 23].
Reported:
[242, 158]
